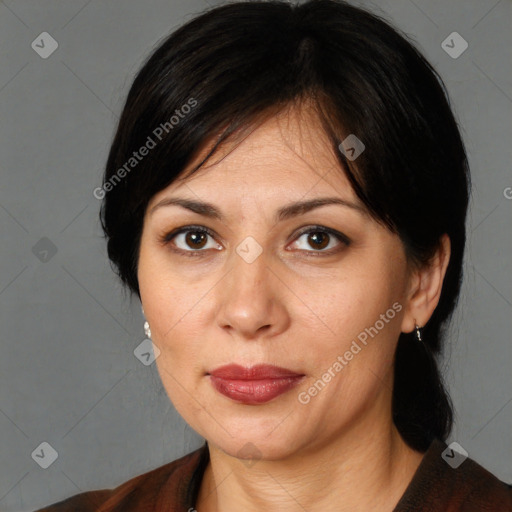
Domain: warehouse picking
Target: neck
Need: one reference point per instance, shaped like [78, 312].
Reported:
[359, 470]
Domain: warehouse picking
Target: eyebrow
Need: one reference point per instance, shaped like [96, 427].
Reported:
[284, 213]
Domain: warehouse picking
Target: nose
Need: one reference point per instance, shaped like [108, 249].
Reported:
[251, 300]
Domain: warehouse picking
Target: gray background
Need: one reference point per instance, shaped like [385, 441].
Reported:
[69, 375]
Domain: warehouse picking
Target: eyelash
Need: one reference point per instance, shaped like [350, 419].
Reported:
[166, 239]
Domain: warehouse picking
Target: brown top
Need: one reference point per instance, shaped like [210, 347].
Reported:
[435, 487]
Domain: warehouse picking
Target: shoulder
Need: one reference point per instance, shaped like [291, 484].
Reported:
[148, 490]
[446, 481]
[479, 490]
[83, 502]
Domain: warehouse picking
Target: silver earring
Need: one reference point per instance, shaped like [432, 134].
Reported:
[147, 330]
[417, 331]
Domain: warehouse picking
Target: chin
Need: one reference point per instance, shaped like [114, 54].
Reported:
[254, 444]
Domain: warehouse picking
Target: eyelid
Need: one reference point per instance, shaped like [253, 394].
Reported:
[167, 237]
[323, 229]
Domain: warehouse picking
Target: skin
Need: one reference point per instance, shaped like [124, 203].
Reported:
[293, 306]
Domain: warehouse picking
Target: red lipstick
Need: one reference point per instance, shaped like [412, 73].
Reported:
[254, 385]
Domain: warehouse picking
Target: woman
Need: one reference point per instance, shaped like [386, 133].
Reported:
[286, 194]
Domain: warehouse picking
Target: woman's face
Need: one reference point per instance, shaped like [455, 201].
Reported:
[257, 290]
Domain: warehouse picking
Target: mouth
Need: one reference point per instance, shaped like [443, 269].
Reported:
[254, 385]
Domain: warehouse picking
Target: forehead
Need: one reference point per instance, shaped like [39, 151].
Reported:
[287, 155]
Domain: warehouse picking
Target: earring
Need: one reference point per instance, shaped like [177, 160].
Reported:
[417, 331]
[147, 330]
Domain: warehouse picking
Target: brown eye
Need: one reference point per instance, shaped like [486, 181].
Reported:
[191, 239]
[321, 240]
[196, 239]
[318, 240]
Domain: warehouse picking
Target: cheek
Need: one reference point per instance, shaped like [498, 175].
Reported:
[174, 309]
[359, 320]
[159, 290]
[353, 300]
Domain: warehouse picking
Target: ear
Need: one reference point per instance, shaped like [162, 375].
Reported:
[425, 285]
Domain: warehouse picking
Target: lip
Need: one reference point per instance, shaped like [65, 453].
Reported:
[253, 385]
